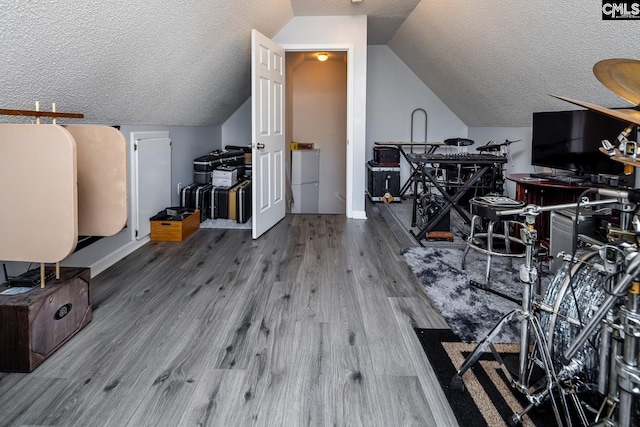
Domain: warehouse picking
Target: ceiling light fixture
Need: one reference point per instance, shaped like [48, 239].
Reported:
[323, 57]
[356, 1]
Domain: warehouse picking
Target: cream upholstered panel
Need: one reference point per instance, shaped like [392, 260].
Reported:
[38, 193]
[102, 179]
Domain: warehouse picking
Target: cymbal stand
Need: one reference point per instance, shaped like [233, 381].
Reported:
[532, 354]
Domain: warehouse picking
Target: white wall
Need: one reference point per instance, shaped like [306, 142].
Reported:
[519, 160]
[320, 117]
[237, 129]
[314, 31]
[393, 93]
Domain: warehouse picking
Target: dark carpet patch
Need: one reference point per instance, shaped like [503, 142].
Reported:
[470, 312]
[487, 400]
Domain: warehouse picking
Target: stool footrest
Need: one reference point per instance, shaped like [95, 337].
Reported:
[440, 235]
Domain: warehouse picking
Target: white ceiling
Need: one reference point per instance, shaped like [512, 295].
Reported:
[160, 62]
[384, 16]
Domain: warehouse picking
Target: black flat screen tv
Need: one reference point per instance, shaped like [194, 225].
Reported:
[570, 141]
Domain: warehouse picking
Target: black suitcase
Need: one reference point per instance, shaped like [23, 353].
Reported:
[233, 201]
[214, 159]
[244, 148]
[221, 203]
[243, 207]
[191, 197]
[202, 177]
[185, 196]
[203, 201]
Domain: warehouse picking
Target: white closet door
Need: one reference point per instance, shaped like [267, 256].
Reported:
[268, 145]
[151, 178]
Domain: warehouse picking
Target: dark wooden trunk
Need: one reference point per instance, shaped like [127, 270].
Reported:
[35, 324]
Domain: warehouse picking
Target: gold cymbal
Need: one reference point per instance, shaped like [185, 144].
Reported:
[627, 115]
[621, 76]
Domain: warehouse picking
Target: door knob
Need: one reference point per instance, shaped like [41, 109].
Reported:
[259, 146]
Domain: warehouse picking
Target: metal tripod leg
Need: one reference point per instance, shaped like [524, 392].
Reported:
[456, 381]
[551, 382]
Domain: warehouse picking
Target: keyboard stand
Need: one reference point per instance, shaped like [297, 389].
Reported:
[482, 164]
[415, 177]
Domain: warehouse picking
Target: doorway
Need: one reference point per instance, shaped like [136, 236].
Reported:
[316, 113]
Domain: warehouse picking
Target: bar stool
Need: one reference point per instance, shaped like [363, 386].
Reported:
[486, 209]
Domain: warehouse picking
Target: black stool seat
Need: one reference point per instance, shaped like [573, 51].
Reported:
[488, 208]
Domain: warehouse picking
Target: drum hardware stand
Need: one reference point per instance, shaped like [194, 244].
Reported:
[535, 393]
[529, 323]
[607, 385]
[627, 364]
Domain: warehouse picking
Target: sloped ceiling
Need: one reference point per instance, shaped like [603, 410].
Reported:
[494, 63]
[154, 62]
[159, 62]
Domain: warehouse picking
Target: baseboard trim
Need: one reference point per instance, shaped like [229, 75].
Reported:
[359, 215]
[115, 256]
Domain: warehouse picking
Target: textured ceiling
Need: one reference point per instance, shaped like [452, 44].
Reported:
[160, 62]
[495, 63]
[155, 62]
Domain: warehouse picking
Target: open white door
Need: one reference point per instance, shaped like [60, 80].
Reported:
[267, 129]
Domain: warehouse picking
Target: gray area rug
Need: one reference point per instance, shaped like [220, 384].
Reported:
[470, 312]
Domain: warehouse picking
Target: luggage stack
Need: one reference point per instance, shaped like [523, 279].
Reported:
[383, 175]
[247, 157]
[234, 202]
[197, 196]
[222, 187]
[204, 166]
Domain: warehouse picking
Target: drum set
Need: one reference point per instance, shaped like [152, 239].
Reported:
[580, 341]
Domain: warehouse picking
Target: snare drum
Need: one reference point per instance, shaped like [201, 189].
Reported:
[566, 310]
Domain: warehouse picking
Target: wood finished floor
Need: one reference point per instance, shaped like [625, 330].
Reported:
[310, 325]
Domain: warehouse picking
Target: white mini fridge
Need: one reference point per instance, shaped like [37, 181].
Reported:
[305, 177]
